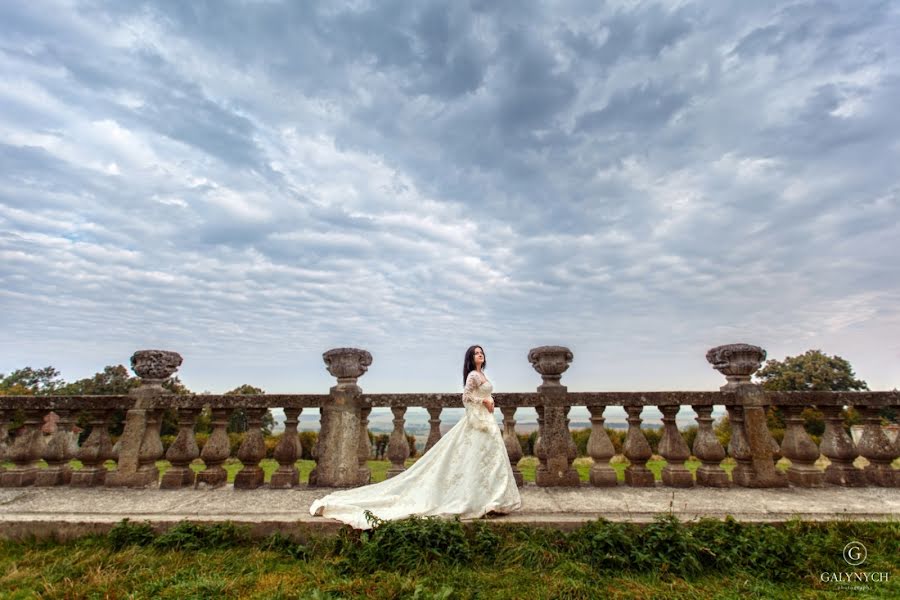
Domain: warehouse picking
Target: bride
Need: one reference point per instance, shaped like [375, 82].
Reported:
[466, 473]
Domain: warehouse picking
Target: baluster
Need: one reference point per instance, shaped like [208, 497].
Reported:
[637, 451]
[398, 447]
[511, 441]
[675, 450]
[600, 448]
[252, 450]
[182, 452]
[95, 451]
[151, 450]
[215, 451]
[875, 447]
[287, 451]
[708, 450]
[739, 449]
[4, 437]
[839, 448]
[538, 444]
[799, 448]
[434, 432]
[365, 446]
[25, 451]
[59, 450]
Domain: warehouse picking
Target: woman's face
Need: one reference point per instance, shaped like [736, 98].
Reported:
[478, 356]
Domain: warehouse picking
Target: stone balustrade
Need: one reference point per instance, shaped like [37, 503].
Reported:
[343, 444]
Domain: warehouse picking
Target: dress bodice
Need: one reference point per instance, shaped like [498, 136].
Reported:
[484, 390]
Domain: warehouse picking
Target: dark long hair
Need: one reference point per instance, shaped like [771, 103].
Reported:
[469, 361]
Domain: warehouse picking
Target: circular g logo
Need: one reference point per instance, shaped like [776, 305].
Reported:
[855, 553]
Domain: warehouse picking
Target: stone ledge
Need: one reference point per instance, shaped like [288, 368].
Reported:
[66, 513]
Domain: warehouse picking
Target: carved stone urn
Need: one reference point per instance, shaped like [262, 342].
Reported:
[551, 362]
[155, 366]
[737, 362]
[347, 364]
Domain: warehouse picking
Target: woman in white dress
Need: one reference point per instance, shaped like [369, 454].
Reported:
[466, 473]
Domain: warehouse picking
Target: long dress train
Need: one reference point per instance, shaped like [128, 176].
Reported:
[466, 473]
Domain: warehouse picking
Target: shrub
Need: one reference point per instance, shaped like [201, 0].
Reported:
[308, 440]
[689, 434]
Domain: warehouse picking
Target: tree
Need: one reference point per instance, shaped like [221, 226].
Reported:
[238, 423]
[28, 381]
[810, 371]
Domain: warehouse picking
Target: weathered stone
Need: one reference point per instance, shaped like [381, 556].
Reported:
[709, 451]
[347, 364]
[600, 448]
[339, 433]
[4, 437]
[287, 452]
[675, 450]
[737, 362]
[511, 441]
[838, 447]
[95, 450]
[875, 447]
[555, 440]
[751, 439]
[155, 366]
[59, 449]
[434, 422]
[365, 446]
[539, 453]
[215, 452]
[637, 450]
[551, 362]
[182, 452]
[252, 450]
[140, 446]
[398, 447]
[24, 452]
[799, 448]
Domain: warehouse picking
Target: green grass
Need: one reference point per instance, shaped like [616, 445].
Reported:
[422, 558]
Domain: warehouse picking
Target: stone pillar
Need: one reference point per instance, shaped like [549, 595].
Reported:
[637, 451]
[140, 446]
[799, 448]
[511, 441]
[709, 451]
[556, 441]
[600, 448]
[287, 451]
[252, 450]
[738, 362]
[182, 452]
[675, 450]
[215, 452]
[398, 447]
[25, 452]
[365, 446]
[338, 445]
[875, 447]
[840, 450]
[58, 451]
[95, 451]
[434, 432]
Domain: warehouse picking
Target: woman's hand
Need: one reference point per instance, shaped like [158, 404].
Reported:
[488, 404]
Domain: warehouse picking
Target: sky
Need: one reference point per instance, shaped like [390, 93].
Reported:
[253, 183]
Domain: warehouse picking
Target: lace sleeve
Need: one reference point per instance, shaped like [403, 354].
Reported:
[472, 383]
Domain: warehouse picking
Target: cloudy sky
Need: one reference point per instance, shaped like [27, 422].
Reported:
[252, 183]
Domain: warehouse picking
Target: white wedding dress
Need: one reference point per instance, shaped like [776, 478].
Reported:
[466, 474]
